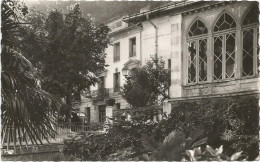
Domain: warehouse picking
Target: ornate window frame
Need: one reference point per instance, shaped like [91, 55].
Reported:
[224, 56]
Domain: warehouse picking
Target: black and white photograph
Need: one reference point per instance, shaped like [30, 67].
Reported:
[130, 80]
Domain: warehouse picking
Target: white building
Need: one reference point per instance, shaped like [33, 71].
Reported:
[211, 47]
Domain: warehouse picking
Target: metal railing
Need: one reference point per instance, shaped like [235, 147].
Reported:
[100, 93]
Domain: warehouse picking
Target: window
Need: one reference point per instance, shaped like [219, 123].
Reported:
[87, 112]
[116, 82]
[224, 22]
[132, 47]
[102, 113]
[118, 106]
[252, 16]
[198, 28]
[117, 52]
[197, 52]
[101, 83]
[224, 47]
[250, 57]
[169, 67]
[224, 44]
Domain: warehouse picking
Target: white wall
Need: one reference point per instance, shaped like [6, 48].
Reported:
[169, 47]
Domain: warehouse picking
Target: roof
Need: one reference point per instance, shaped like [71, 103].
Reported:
[168, 6]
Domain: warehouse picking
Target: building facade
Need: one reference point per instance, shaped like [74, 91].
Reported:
[211, 47]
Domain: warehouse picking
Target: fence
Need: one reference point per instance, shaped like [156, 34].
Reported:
[63, 131]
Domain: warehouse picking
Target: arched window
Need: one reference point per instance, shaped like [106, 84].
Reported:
[250, 54]
[252, 16]
[197, 52]
[198, 28]
[224, 22]
[224, 47]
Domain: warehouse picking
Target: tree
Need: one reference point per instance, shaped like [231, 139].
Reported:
[147, 83]
[71, 50]
[27, 110]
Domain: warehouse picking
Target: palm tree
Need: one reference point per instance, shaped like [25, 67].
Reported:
[27, 110]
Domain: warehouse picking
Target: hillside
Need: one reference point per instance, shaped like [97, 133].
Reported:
[100, 10]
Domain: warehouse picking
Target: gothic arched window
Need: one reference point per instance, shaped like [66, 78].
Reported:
[197, 28]
[224, 47]
[252, 16]
[197, 52]
[224, 22]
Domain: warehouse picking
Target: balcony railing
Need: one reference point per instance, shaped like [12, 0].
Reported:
[100, 93]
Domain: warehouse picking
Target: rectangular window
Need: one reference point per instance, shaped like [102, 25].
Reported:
[250, 67]
[224, 56]
[102, 113]
[117, 52]
[192, 62]
[230, 56]
[132, 47]
[169, 67]
[87, 112]
[248, 53]
[197, 61]
[218, 45]
[101, 83]
[116, 82]
[118, 106]
[202, 60]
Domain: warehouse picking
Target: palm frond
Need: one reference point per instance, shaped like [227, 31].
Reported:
[28, 112]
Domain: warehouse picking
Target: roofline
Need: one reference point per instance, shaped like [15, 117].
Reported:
[177, 5]
[122, 30]
[162, 8]
[112, 19]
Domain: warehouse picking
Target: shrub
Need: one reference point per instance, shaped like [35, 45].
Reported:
[232, 121]
[173, 145]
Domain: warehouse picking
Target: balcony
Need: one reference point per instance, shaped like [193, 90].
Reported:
[100, 93]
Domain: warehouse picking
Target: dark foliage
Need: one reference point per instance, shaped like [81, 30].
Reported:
[26, 109]
[190, 124]
[147, 83]
[70, 49]
[231, 121]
